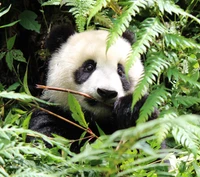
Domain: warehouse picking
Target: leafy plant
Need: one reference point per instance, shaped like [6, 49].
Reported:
[171, 46]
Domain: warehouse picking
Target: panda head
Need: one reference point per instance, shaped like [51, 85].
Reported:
[80, 62]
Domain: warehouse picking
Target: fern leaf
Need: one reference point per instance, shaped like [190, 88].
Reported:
[187, 101]
[149, 30]
[102, 19]
[170, 7]
[186, 131]
[185, 138]
[157, 62]
[97, 7]
[80, 11]
[12, 147]
[180, 41]
[122, 22]
[173, 72]
[156, 98]
[165, 128]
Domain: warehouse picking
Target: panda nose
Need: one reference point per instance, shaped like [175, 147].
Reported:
[107, 94]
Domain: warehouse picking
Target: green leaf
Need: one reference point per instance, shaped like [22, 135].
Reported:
[97, 7]
[5, 11]
[10, 42]
[187, 101]
[155, 99]
[149, 30]
[9, 60]
[52, 2]
[9, 24]
[156, 63]
[26, 124]
[18, 55]
[22, 96]
[25, 82]
[27, 20]
[103, 19]
[13, 86]
[2, 54]
[11, 118]
[175, 40]
[101, 132]
[77, 113]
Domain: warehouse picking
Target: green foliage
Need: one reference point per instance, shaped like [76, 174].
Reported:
[169, 37]
[76, 110]
[100, 158]
[22, 96]
[3, 12]
[27, 20]
[12, 54]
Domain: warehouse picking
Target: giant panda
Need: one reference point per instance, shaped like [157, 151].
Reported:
[81, 62]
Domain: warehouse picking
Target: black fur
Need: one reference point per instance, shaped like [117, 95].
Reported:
[129, 36]
[125, 82]
[122, 117]
[58, 35]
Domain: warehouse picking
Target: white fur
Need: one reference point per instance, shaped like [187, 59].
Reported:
[79, 48]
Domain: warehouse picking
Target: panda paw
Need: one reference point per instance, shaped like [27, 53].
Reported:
[122, 112]
[124, 115]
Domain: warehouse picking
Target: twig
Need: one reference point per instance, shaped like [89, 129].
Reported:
[64, 90]
[69, 121]
[70, 91]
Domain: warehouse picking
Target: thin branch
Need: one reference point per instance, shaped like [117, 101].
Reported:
[66, 120]
[64, 90]
[70, 91]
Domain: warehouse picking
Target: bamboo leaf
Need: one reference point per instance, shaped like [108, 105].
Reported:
[76, 110]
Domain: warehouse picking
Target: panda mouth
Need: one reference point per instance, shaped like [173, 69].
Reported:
[93, 102]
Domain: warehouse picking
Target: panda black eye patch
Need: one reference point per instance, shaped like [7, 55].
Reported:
[125, 82]
[85, 71]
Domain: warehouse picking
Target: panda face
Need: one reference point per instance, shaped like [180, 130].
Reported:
[106, 82]
[82, 64]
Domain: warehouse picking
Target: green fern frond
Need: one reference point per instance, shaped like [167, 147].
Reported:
[170, 7]
[103, 20]
[131, 8]
[165, 128]
[157, 62]
[13, 147]
[187, 101]
[80, 9]
[174, 72]
[185, 138]
[156, 98]
[149, 30]
[97, 7]
[187, 132]
[176, 41]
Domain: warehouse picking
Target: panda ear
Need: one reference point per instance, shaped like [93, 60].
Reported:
[58, 35]
[129, 36]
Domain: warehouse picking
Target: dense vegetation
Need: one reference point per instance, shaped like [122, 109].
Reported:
[167, 34]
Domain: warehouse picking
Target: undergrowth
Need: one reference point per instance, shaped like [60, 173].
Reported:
[166, 33]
